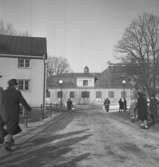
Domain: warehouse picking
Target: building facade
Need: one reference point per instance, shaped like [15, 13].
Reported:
[23, 58]
[88, 88]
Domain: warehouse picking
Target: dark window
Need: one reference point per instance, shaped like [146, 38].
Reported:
[26, 84]
[47, 93]
[98, 94]
[23, 63]
[85, 82]
[111, 94]
[85, 94]
[59, 94]
[72, 94]
[20, 84]
[20, 62]
[23, 84]
[27, 62]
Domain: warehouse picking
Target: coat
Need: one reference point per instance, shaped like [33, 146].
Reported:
[69, 105]
[142, 108]
[12, 99]
[121, 104]
[2, 115]
[107, 102]
[154, 105]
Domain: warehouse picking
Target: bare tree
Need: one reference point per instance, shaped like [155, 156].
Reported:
[57, 65]
[8, 29]
[139, 47]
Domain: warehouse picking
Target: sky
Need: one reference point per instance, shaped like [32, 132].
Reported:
[83, 31]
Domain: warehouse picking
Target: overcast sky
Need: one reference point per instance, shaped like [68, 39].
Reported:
[83, 31]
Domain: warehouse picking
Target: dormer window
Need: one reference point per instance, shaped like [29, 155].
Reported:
[23, 63]
[85, 82]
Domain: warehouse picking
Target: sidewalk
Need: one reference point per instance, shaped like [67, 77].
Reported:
[28, 132]
[124, 117]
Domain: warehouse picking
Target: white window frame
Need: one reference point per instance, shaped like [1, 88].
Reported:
[98, 94]
[85, 94]
[24, 83]
[23, 63]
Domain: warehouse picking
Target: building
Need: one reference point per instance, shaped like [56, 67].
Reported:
[23, 58]
[88, 88]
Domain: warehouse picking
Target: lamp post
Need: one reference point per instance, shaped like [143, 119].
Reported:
[60, 83]
[124, 83]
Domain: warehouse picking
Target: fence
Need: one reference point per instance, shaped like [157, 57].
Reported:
[39, 113]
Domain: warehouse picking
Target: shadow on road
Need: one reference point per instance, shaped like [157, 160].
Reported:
[41, 151]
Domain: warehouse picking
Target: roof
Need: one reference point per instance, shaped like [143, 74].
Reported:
[22, 45]
[69, 79]
[76, 75]
[103, 80]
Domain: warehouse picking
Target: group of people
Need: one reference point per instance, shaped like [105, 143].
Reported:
[144, 110]
[10, 100]
[122, 105]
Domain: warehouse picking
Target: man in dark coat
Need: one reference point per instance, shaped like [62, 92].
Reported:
[121, 105]
[12, 98]
[69, 104]
[107, 104]
[2, 117]
[142, 109]
[154, 108]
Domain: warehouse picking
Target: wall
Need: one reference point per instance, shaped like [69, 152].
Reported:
[92, 99]
[9, 69]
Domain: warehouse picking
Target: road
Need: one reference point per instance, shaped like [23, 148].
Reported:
[87, 138]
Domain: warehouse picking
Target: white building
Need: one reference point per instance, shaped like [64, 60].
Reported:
[88, 88]
[23, 58]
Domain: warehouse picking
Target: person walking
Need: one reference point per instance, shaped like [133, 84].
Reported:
[69, 104]
[12, 99]
[154, 108]
[107, 104]
[121, 105]
[142, 108]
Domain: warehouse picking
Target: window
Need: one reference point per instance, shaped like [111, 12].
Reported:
[111, 94]
[23, 63]
[85, 82]
[85, 94]
[59, 94]
[123, 94]
[48, 93]
[98, 94]
[23, 84]
[72, 94]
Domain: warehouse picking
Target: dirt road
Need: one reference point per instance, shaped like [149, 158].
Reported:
[87, 138]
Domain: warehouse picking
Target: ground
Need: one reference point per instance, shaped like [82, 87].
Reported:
[86, 138]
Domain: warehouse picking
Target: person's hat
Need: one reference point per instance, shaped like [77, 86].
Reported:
[12, 82]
